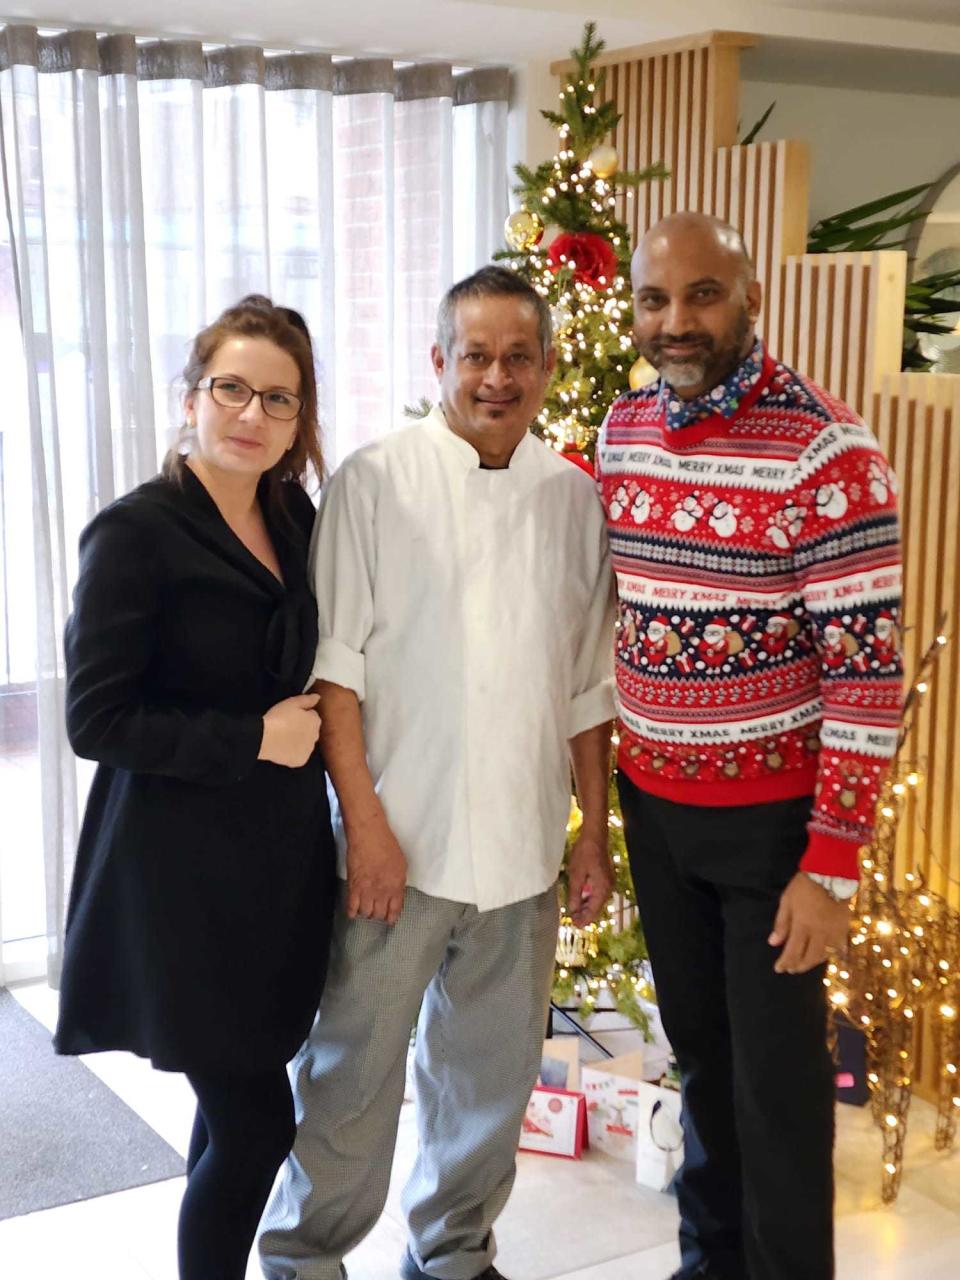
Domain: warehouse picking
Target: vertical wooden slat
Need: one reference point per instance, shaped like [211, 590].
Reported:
[671, 139]
[764, 197]
[697, 126]
[629, 140]
[720, 205]
[643, 124]
[727, 96]
[839, 327]
[748, 207]
[859, 297]
[684, 130]
[659, 133]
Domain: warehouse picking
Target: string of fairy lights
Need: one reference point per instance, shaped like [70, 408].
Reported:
[902, 961]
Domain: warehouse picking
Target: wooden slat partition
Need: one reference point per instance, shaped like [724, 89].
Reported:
[841, 320]
[762, 191]
[917, 418]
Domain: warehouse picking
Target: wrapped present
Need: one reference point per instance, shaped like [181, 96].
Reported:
[555, 1123]
[748, 623]
[860, 662]
[687, 626]
[747, 659]
[684, 662]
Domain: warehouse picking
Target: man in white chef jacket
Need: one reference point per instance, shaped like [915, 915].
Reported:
[466, 610]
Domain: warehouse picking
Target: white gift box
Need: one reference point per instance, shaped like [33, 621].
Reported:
[555, 1123]
[610, 1089]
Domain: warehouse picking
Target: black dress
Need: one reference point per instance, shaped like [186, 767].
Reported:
[202, 898]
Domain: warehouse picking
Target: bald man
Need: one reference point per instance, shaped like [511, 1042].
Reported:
[757, 545]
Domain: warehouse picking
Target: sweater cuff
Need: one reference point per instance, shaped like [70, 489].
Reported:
[831, 856]
[340, 665]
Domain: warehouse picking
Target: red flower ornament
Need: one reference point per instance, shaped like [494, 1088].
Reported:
[592, 258]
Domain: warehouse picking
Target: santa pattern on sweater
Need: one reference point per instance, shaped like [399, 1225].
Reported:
[757, 555]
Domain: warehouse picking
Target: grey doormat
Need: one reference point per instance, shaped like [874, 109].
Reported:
[64, 1135]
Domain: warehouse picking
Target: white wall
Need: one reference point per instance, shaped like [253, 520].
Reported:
[862, 143]
[530, 138]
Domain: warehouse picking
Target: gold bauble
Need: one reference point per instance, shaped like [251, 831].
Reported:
[604, 161]
[523, 230]
[642, 373]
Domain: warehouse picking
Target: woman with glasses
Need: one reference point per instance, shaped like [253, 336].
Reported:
[200, 912]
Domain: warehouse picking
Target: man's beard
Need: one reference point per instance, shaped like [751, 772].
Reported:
[709, 360]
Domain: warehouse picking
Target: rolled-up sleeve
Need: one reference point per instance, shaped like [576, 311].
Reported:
[343, 565]
[593, 689]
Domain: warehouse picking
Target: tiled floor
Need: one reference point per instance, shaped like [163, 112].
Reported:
[578, 1221]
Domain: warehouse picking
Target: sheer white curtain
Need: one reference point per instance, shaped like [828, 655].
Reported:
[145, 185]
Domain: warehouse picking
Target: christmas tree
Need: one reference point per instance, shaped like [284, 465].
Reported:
[605, 959]
[585, 270]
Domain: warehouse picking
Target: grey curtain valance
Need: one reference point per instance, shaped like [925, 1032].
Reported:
[22, 45]
[485, 84]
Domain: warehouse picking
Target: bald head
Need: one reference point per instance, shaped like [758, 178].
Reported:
[700, 233]
[696, 300]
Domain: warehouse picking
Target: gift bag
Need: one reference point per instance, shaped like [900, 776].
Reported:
[555, 1123]
[659, 1136]
[851, 1062]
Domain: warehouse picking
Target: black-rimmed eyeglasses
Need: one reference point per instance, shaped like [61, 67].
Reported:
[231, 393]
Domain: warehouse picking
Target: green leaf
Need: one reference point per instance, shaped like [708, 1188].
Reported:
[914, 362]
[861, 211]
[421, 409]
[928, 326]
[936, 281]
[759, 125]
[652, 173]
[838, 238]
[589, 49]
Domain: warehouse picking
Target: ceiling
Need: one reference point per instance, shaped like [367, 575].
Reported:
[947, 11]
[513, 31]
[790, 60]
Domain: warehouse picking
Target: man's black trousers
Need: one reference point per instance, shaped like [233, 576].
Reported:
[756, 1188]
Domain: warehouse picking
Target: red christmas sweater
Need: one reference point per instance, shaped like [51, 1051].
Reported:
[758, 568]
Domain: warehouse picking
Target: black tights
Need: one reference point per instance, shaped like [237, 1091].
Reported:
[243, 1131]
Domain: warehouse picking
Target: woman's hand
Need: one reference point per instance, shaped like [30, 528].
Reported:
[290, 731]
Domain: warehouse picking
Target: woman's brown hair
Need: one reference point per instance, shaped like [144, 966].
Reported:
[255, 316]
